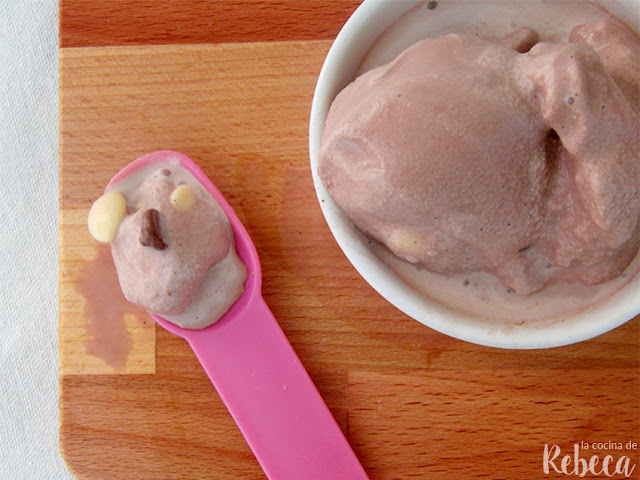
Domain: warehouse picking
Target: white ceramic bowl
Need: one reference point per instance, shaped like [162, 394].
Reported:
[361, 30]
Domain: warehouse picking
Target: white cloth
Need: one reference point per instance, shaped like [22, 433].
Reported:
[28, 241]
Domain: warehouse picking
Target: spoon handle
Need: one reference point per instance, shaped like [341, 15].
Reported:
[272, 399]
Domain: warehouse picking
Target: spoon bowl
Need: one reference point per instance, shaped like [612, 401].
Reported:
[244, 245]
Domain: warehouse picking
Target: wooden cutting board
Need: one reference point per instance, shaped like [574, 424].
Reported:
[230, 84]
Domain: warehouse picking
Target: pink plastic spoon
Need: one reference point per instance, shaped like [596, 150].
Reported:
[257, 373]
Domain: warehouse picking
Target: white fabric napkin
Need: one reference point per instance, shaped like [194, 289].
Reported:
[29, 241]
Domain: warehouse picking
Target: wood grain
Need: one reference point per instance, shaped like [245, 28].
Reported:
[414, 403]
[488, 423]
[85, 23]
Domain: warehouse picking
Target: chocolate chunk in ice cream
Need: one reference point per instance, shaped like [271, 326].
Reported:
[150, 232]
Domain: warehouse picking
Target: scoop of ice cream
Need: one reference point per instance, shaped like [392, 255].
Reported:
[465, 155]
[174, 249]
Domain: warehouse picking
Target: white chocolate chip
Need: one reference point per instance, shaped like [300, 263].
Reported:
[409, 243]
[183, 198]
[105, 216]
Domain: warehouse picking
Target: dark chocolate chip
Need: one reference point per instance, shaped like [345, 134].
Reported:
[432, 5]
[150, 233]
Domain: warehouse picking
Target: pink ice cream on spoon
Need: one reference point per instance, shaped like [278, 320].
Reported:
[511, 157]
[177, 238]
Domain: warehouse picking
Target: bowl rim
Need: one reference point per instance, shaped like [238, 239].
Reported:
[368, 21]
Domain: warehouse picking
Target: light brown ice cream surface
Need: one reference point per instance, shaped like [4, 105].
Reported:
[180, 263]
[509, 157]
